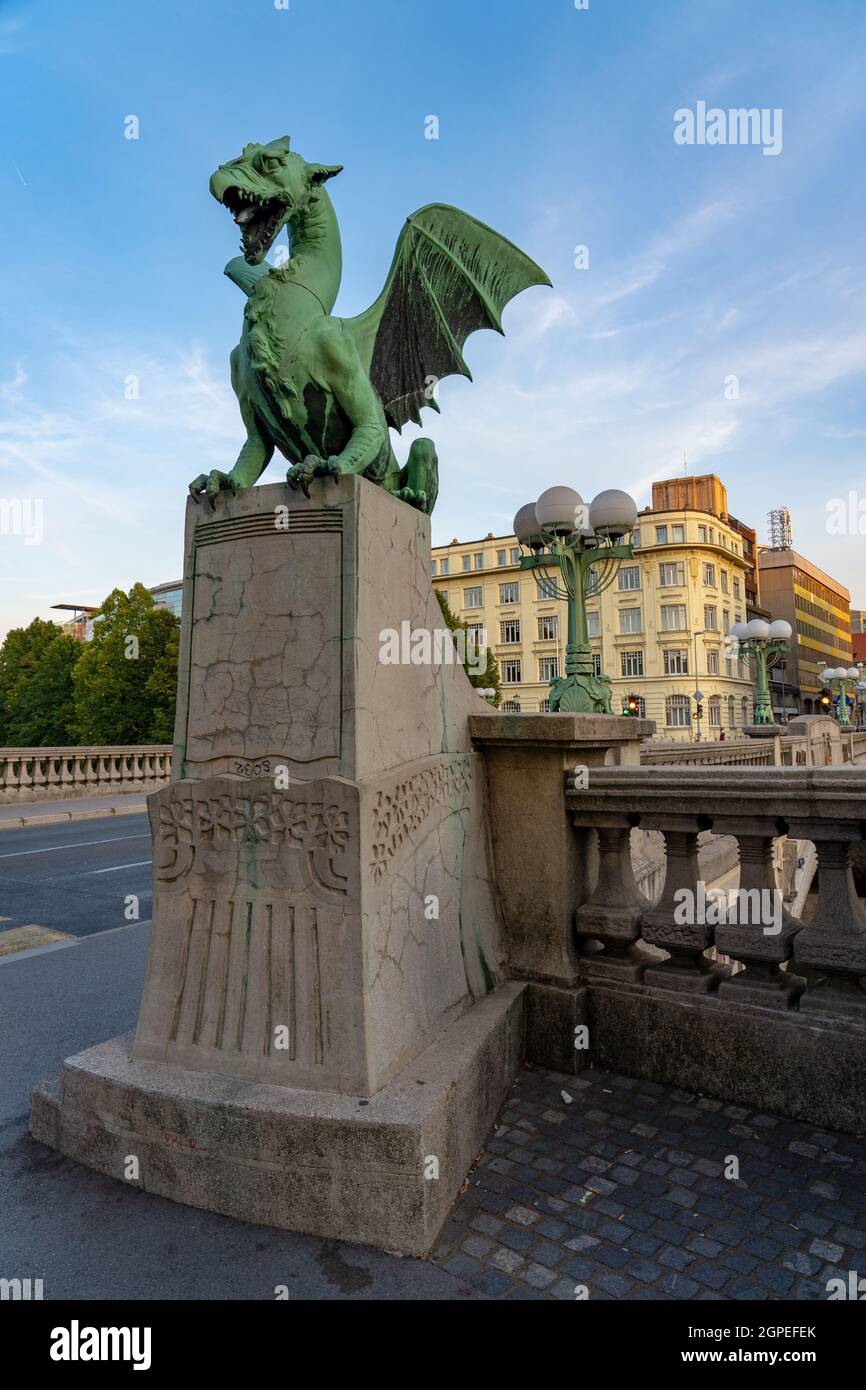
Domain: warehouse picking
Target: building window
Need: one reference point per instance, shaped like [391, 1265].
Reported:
[676, 662]
[672, 575]
[510, 630]
[726, 621]
[443, 565]
[474, 597]
[548, 668]
[479, 560]
[593, 624]
[732, 712]
[712, 661]
[711, 618]
[510, 592]
[548, 628]
[737, 590]
[476, 637]
[511, 672]
[709, 574]
[596, 663]
[544, 707]
[545, 588]
[702, 534]
[635, 538]
[724, 578]
[678, 713]
[678, 534]
[433, 567]
[673, 617]
[715, 712]
[661, 535]
[630, 620]
[632, 663]
[500, 558]
[629, 577]
[515, 555]
[511, 706]
[745, 708]
[467, 561]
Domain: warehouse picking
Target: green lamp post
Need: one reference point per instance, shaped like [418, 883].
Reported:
[584, 542]
[766, 643]
[838, 679]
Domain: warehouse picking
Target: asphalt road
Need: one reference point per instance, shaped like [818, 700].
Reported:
[75, 878]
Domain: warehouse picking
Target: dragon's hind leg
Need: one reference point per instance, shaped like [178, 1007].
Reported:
[418, 481]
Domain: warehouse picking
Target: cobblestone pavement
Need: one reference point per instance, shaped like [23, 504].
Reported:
[622, 1191]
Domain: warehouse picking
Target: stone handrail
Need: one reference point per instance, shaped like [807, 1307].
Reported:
[826, 806]
[47, 774]
[746, 752]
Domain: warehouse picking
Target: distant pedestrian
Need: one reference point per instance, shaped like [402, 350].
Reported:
[722, 736]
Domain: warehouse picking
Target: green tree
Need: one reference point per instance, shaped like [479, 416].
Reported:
[489, 678]
[126, 678]
[36, 666]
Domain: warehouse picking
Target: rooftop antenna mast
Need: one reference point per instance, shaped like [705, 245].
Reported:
[781, 533]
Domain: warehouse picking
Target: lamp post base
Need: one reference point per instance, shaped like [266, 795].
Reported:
[579, 694]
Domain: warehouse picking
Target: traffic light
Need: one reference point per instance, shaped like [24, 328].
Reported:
[699, 711]
[826, 699]
[632, 707]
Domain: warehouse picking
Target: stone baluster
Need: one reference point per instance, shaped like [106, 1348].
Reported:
[834, 941]
[39, 775]
[66, 765]
[91, 772]
[612, 914]
[766, 940]
[674, 924]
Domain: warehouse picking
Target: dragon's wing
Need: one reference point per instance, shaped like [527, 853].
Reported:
[450, 275]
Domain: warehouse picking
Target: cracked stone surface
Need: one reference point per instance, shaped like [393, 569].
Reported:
[623, 1191]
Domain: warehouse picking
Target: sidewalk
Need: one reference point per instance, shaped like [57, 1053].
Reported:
[14, 815]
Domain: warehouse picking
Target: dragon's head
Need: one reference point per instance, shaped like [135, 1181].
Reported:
[264, 188]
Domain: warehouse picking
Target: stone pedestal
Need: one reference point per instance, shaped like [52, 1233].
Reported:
[544, 868]
[323, 908]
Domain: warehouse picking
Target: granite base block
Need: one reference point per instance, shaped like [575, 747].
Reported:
[338, 1166]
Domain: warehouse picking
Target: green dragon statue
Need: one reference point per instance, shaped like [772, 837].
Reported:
[325, 390]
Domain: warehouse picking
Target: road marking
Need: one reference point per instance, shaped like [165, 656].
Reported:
[115, 867]
[76, 844]
[26, 937]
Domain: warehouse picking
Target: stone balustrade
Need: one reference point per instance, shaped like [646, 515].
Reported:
[744, 752]
[825, 806]
[47, 774]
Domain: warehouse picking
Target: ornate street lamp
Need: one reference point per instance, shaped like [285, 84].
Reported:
[839, 678]
[767, 643]
[585, 544]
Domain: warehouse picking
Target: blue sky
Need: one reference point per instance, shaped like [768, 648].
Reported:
[556, 126]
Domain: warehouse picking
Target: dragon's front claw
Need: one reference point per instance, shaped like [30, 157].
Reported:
[211, 485]
[300, 475]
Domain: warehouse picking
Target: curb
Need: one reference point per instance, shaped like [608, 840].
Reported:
[63, 817]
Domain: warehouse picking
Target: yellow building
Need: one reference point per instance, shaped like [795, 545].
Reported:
[818, 608]
[659, 631]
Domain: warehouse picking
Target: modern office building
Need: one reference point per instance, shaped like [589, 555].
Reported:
[80, 625]
[659, 631]
[169, 595]
[818, 609]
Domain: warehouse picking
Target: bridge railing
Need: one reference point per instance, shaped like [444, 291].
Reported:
[666, 944]
[47, 774]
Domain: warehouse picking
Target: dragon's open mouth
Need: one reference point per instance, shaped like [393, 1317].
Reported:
[258, 218]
